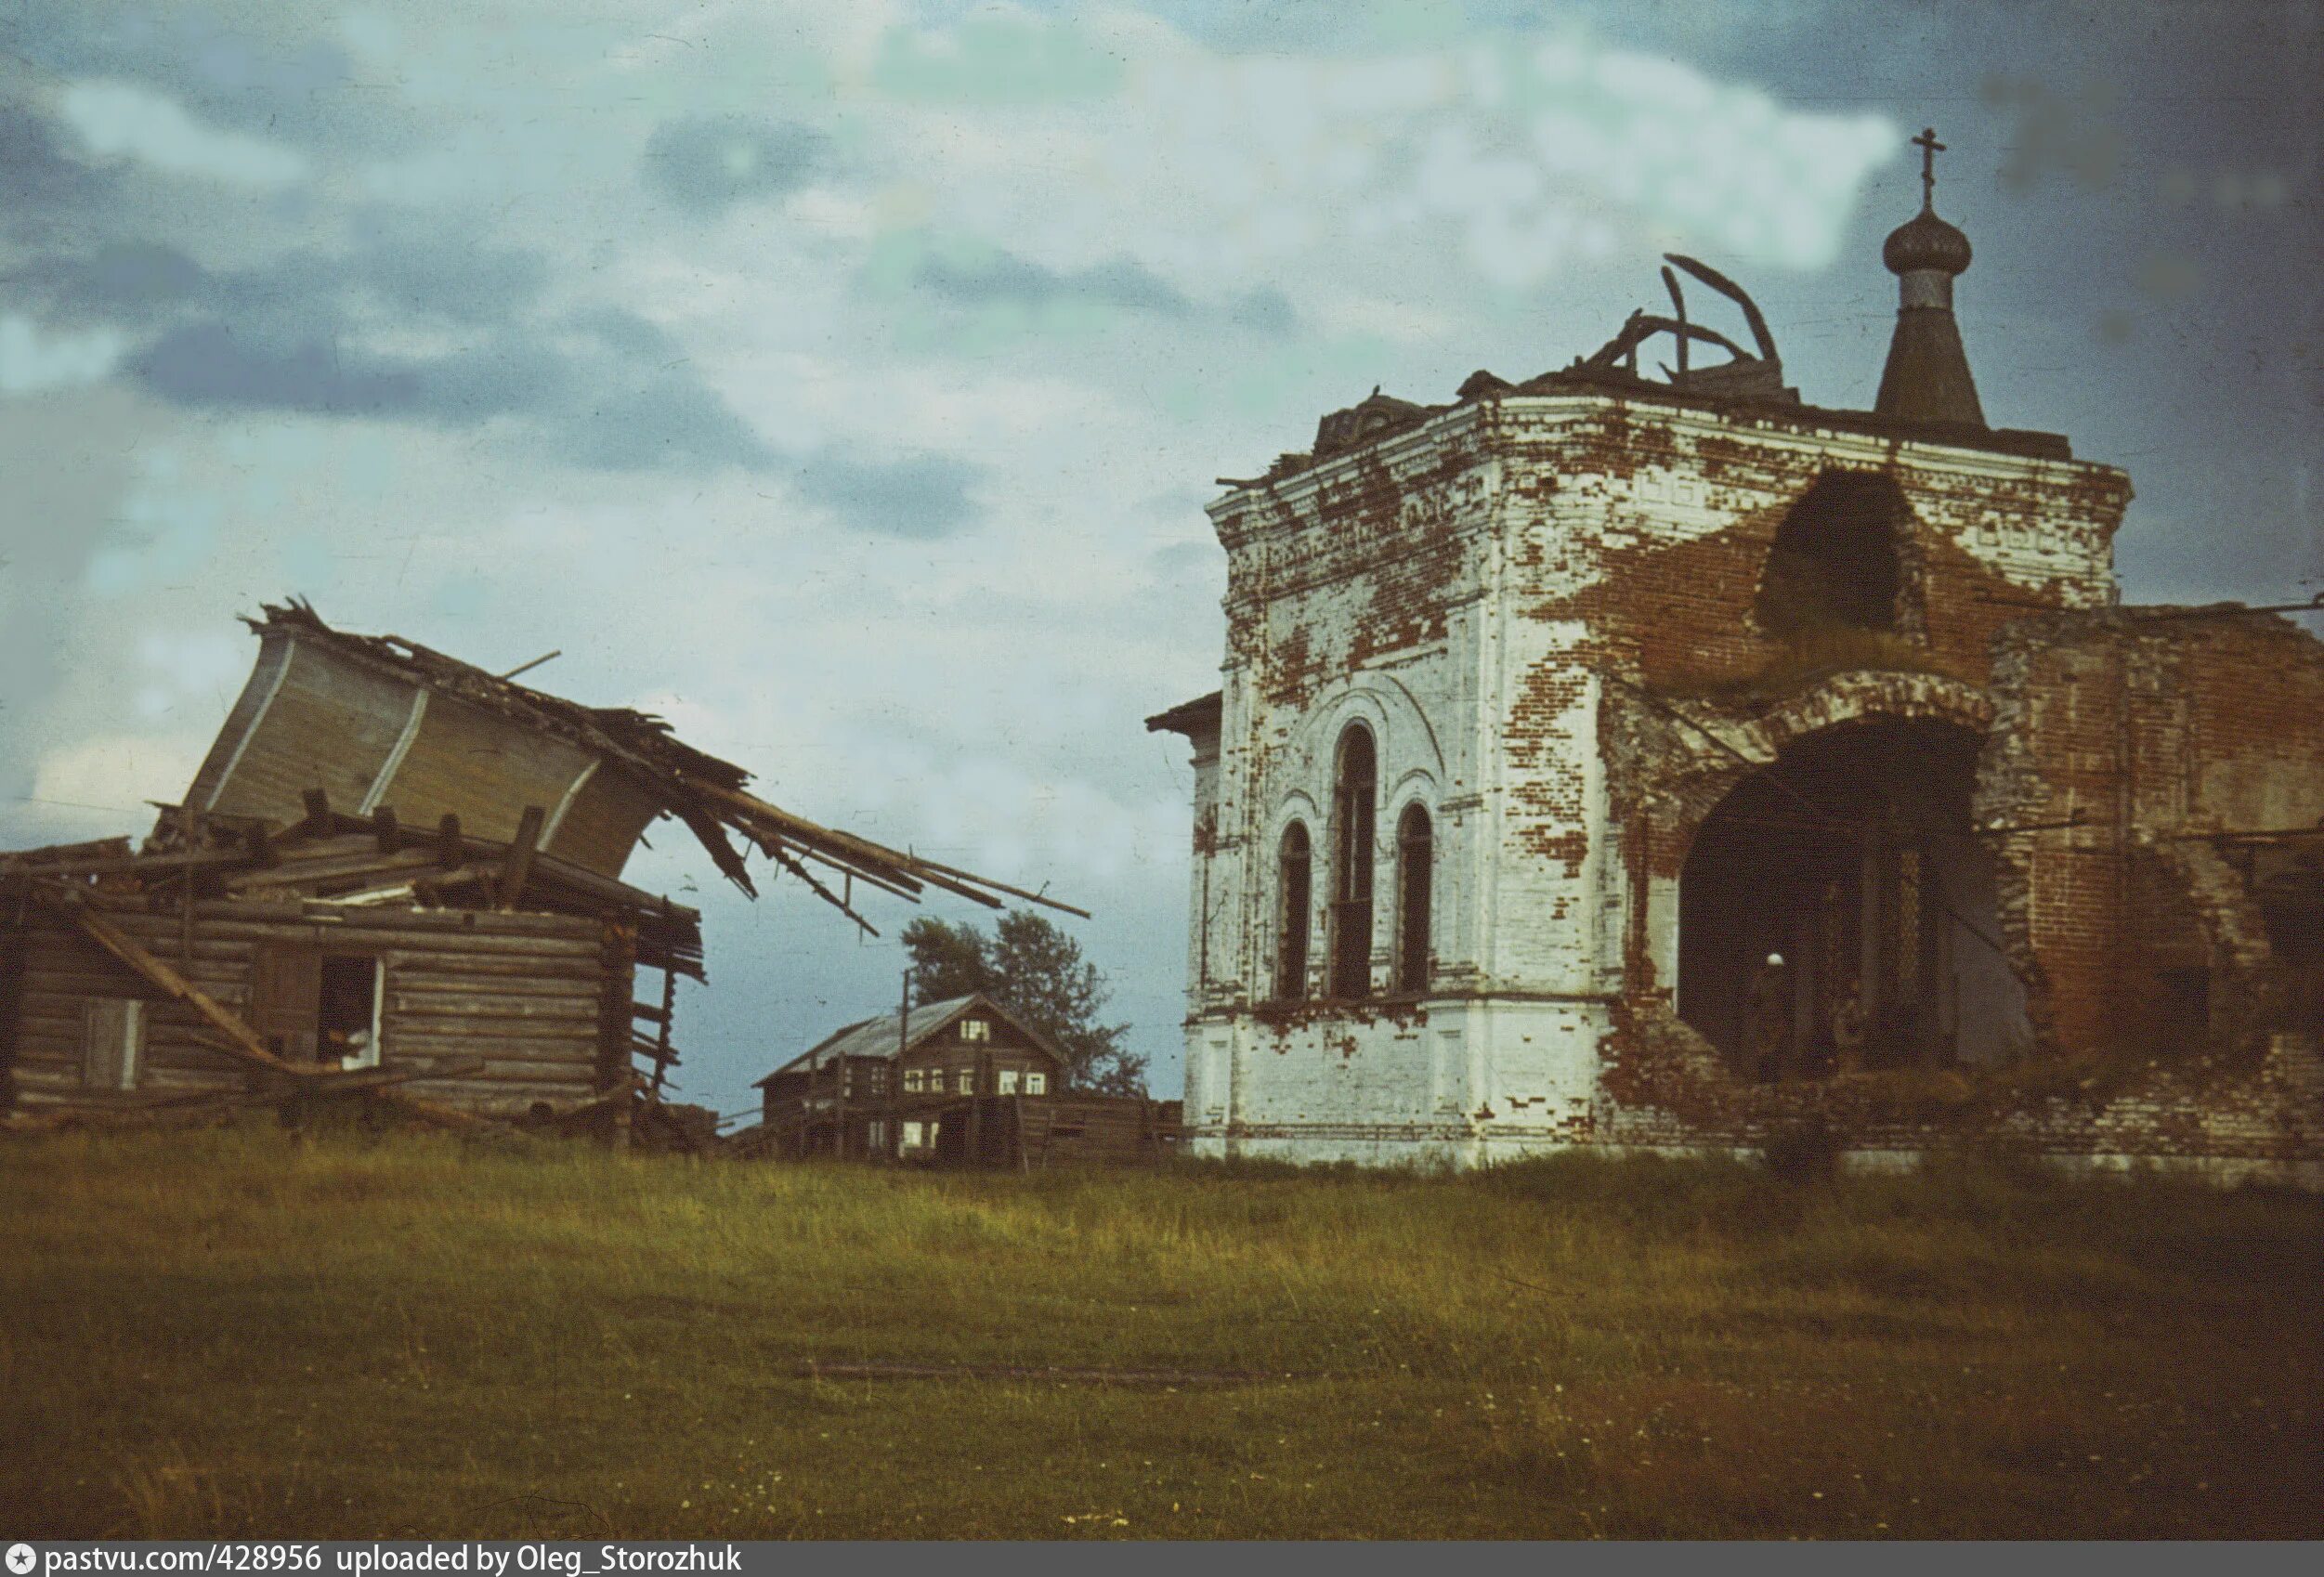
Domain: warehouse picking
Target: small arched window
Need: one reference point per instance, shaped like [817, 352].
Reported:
[1354, 792]
[1294, 893]
[1415, 868]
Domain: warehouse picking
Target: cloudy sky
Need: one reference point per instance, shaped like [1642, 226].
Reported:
[843, 381]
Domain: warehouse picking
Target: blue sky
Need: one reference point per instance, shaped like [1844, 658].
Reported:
[845, 383]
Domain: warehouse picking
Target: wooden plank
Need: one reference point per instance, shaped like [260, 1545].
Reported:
[517, 866]
[362, 928]
[114, 865]
[400, 1044]
[228, 917]
[408, 1005]
[575, 988]
[366, 862]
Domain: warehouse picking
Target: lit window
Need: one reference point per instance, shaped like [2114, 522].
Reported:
[968, 1081]
[912, 1132]
[1008, 1081]
[1036, 1084]
[911, 1081]
[975, 1029]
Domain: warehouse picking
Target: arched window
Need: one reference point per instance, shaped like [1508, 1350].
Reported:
[1294, 893]
[1416, 862]
[1354, 792]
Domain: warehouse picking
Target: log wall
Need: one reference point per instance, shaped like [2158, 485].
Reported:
[530, 996]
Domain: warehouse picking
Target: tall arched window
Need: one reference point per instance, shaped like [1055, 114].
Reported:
[1416, 867]
[1354, 792]
[1294, 893]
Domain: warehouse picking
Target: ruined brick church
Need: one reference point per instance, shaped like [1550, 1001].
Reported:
[1607, 759]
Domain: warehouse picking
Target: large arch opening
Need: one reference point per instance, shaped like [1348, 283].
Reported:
[1837, 913]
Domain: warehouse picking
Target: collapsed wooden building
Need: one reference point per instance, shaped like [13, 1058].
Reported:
[396, 875]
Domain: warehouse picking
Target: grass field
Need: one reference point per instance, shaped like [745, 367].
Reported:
[224, 1332]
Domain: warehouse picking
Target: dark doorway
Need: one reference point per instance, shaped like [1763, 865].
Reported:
[348, 1013]
[1836, 913]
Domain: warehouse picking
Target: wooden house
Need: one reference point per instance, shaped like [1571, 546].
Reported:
[963, 1081]
[393, 873]
[881, 1086]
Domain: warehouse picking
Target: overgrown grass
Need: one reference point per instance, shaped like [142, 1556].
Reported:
[226, 1333]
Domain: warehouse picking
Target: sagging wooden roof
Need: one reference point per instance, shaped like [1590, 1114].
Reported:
[380, 721]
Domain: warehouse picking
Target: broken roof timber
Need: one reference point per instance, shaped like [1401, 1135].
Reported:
[627, 764]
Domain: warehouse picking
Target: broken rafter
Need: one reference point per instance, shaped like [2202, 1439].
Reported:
[776, 852]
[704, 792]
[517, 866]
[897, 867]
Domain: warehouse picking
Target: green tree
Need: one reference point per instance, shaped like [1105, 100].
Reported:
[1036, 972]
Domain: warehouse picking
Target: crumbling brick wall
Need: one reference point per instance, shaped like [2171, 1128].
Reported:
[1552, 610]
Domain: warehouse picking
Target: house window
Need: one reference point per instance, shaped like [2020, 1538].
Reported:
[1416, 859]
[968, 1081]
[1354, 791]
[113, 1044]
[1036, 1084]
[878, 1130]
[912, 1135]
[911, 1081]
[975, 1029]
[1008, 1081]
[1293, 889]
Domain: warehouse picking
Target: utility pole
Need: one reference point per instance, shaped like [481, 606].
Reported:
[896, 1075]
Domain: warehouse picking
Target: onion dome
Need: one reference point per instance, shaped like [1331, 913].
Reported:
[1927, 378]
[1925, 242]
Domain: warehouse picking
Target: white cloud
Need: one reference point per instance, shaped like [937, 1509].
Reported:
[118, 120]
[119, 771]
[32, 360]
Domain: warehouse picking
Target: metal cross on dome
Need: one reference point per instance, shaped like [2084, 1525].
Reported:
[1929, 145]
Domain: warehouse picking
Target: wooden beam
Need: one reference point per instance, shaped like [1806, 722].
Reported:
[449, 848]
[388, 830]
[517, 869]
[317, 823]
[131, 865]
